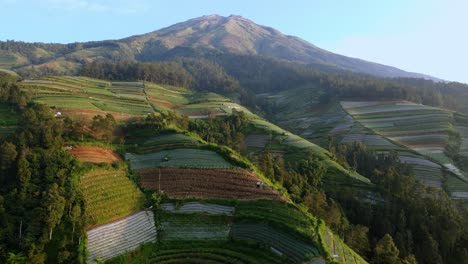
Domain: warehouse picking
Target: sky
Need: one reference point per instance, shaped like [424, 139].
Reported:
[425, 36]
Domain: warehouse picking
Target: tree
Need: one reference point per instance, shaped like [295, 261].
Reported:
[7, 155]
[386, 252]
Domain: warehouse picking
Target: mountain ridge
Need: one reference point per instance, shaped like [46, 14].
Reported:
[233, 34]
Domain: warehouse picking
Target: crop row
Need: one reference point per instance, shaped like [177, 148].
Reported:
[109, 194]
[120, 237]
[178, 158]
[196, 207]
[281, 242]
[206, 183]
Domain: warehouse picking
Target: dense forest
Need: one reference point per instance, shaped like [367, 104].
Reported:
[40, 204]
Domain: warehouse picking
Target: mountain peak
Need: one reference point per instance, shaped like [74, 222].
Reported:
[239, 35]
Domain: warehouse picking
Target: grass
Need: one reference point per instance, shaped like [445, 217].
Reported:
[109, 194]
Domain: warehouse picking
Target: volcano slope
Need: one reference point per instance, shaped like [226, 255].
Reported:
[203, 200]
[419, 134]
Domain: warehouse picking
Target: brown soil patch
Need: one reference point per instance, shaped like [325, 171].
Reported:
[94, 154]
[207, 183]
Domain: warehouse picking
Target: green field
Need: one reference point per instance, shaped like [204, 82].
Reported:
[183, 158]
[209, 252]
[65, 92]
[109, 195]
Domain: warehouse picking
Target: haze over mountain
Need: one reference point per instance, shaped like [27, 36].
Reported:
[233, 34]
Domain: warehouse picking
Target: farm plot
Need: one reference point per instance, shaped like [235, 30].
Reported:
[338, 249]
[278, 214]
[211, 252]
[286, 137]
[194, 227]
[256, 141]
[206, 183]
[109, 195]
[64, 92]
[94, 154]
[418, 127]
[119, 237]
[166, 96]
[197, 207]
[166, 142]
[129, 88]
[457, 188]
[184, 158]
[464, 138]
[281, 242]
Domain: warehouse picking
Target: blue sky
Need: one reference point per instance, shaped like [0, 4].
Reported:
[415, 35]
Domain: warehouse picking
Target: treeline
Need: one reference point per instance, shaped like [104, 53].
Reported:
[196, 74]
[41, 208]
[161, 72]
[258, 74]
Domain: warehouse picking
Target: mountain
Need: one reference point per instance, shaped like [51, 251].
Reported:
[238, 35]
[232, 35]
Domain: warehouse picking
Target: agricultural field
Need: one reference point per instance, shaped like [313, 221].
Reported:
[418, 127]
[280, 242]
[119, 237]
[8, 120]
[210, 252]
[109, 194]
[464, 138]
[182, 158]
[337, 248]
[280, 215]
[183, 183]
[94, 154]
[165, 142]
[194, 227]
[197, 207]
[86, 94]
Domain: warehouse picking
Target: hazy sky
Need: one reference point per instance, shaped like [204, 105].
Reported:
[415, 35]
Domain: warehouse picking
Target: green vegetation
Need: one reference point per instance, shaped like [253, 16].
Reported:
[76, 93]
[109, 194]
[199, 252]
[184, 158]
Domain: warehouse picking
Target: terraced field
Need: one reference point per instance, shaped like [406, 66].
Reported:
[84, 95]
[200, 252]
[197, 207]
[418, 127]
[94, 154]
[109, 195]
[194, 227]
[206, 183]
[278, 214]
[341, 252]
[166, 142]
[281, 242]
[182, 158]
[119, 237]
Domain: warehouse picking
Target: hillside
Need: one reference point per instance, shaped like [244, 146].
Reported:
[231, 35]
